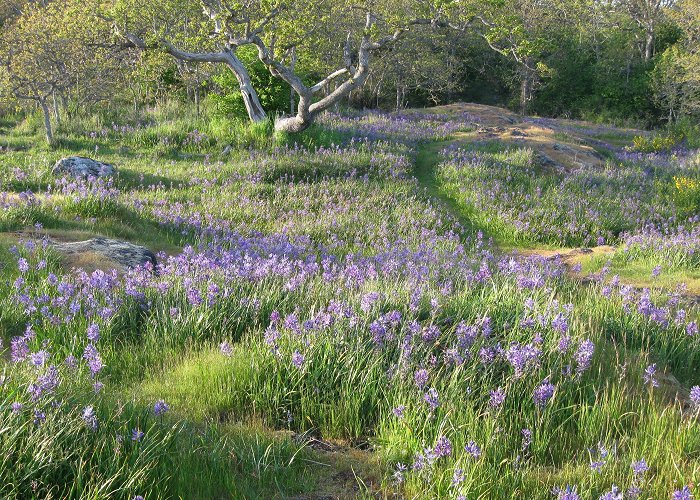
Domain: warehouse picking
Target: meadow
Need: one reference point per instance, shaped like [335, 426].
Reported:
[384, 306]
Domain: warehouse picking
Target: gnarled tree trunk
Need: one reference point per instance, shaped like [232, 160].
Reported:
[256, 113]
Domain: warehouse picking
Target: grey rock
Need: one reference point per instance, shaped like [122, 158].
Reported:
[79, 166]
[123, 253]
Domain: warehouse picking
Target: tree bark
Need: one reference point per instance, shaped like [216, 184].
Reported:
[47, 121]
[649, 45]
[526, 84]
[256, 113]
[56, 112]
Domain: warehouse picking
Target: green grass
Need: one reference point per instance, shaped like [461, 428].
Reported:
[238, 422]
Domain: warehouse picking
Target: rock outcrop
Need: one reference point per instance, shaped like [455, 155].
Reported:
[79, 166]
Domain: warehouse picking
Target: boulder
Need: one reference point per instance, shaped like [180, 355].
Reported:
[79, 166]
[126, 255]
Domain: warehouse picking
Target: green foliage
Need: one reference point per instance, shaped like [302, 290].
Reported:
[657, 143]
[274, 94]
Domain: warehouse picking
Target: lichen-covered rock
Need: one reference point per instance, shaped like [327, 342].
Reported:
[79, 166]
[126, 255]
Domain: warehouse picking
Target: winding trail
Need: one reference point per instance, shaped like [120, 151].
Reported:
[424, 170]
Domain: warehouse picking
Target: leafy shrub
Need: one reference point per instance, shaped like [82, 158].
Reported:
[657, 143]
[687, 194]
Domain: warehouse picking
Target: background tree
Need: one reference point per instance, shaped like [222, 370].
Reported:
[47, 51]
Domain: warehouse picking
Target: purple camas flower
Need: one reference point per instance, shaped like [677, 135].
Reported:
[39, 417]
[682, 494]
[457, 477]
[614, 494]
[522, 357]
[89, 417]
[93, 332]
[566, 493]
[23, 265]
[368, 301]
[16, 407]
[543, 394]
[160, 408]
[695, 396]
[584, 355]
[399, 477]
[39, 358]
[650, 375]
[421, 377]
[497, 397]
[398, 411]
[136, 434]
[19, 349]
[639, 467]
[430, 333]
[597, 465]
[443, 447]
[473, 449]
[656, 272]
[298, 359]
[93, 358]
[527, 438]
[560, 323]
[431, 397]
[226, 349]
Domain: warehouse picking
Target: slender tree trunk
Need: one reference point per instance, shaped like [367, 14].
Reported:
[56, 113]
[525, 90]
[649, 45]
[196, 98]
[47, 120]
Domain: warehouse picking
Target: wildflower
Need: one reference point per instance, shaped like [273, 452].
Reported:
[649, 375]
[421, 378]
[473, 449]
[226, 349]
[597, 466]
[443, 447]
[136, 434]
[39, 358]
[527, 438]
[89, 417]
[560, 323]
[457, 477]
[639, 467]
[432, 399]
[160, 408]
[567, 493]
[583, 356]
[682, 494]
[398, 411]
[23, 265]
[695, 396]
[498, 396]
[543, 394]
[613, 494]
[16, 407]
[93, 333]
[656, 271]
[39, 417]
[399, 473]
[298, 359]
[138, 497]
